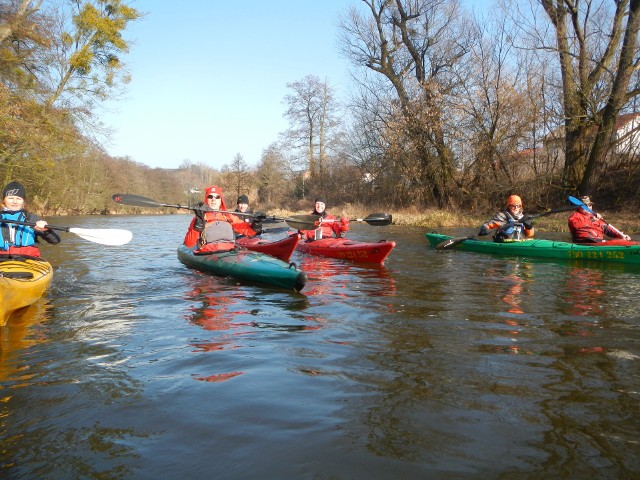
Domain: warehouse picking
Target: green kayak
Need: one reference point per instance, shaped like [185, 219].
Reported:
[546, 249]
[245, 265]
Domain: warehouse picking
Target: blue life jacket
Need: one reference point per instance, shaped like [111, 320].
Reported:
[16, 235]
[510, 232]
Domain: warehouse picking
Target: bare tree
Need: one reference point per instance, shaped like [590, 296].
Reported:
[497, 113]
[237, 175]
[312, 113]
[14, 17]
[415, 45]
[85, 66]
[272, 176]
[595, 43]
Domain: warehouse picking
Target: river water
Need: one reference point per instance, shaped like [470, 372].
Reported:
[435, 365]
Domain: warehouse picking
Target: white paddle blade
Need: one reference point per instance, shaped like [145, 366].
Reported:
[106, 236]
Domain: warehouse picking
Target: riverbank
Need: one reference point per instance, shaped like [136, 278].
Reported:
[627, 221]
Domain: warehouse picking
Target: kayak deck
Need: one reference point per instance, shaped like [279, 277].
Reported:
[600, 252]
[281, 249]
[346, 249]
[22, 282]
[245, 265]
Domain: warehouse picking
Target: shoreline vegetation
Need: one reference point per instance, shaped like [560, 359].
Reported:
[627, 221]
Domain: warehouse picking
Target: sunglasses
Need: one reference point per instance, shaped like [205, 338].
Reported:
[213, 196]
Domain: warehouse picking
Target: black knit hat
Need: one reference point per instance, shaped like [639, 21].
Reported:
[320, 199]
[243, 199]
[15, 189]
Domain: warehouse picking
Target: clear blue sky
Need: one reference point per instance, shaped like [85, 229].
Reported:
[209, 76]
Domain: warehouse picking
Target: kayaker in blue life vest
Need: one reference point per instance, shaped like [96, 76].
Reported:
[21, 239]
[330, 225]
[511, 223]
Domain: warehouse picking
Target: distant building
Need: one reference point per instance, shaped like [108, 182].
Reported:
[626, 137]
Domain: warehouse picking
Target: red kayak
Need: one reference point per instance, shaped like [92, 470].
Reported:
[347, 249]
[281, 249]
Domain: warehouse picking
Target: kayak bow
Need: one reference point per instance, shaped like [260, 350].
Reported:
[22, 282]
[245, 265]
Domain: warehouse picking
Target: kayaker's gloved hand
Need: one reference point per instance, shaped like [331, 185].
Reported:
[50, 237]
[483, 231]
[256, 224]
[199, 212]
[527, 221]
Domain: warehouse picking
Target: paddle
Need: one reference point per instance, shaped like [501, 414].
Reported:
[298, 222]
[105, 236]
[377, 219]
[585, 207]
[452, 242]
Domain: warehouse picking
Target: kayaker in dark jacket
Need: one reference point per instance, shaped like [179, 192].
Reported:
[21, 239]
[330, 225]
[588, 227]
[242, 206]
[210, 226]
[511, 223]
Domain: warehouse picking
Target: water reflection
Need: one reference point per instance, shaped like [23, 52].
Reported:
[329, 278]
[233, 317]
[584, 291]
[403, 371]
[22, 331]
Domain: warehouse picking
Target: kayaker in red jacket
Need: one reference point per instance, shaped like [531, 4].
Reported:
[206, 217]
[588, 227]
[511, 223]
[330, 225]
[21, 239]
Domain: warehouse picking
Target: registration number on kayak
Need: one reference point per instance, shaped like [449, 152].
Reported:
[592, 254]
[356, 254]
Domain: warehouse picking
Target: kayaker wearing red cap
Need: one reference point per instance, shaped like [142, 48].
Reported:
[330, 225]
[512, 224]
[213, 228]
[588, 227]
[21, 239]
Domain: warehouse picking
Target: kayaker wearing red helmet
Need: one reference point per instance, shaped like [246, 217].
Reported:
[213, 228]
[588, 227]
[512, 224]
[21, 239]
[330, 224]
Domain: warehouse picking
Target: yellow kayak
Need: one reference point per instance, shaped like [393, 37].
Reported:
[22, 282]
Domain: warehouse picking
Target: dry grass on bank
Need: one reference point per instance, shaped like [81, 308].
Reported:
[629, 222]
